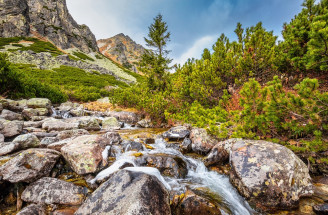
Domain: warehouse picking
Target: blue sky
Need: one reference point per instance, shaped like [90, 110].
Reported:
[194, 24]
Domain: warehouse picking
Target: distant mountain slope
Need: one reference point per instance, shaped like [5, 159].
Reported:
[122, 49]
[45, 19]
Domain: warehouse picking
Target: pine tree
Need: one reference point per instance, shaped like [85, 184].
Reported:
[155, 63]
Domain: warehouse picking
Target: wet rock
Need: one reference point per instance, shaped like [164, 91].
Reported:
[177, 133]
[113, 137]
[110, 123]
[193, 204]
[84, 153]
[86, 122]
[39, 103]
[59, 125]
[269, 175]
[220, 152]
[128, 193]
[149, 140]
[168, 165]
[186, 146]
[33, 209]
[202, 142]
[132, 146]
[71, 133]
[321, 191]
[29, 165]
[124, 116]
[28, 113]
[321, 209]
[53, 191]
[9, 115]
[145, 123]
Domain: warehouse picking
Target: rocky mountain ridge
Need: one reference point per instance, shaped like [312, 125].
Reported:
[48, 20]
[122, 49]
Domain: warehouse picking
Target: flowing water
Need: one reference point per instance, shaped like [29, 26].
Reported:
[198, 175]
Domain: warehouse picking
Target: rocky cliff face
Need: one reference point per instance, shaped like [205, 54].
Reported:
[48, 19]
[122, 49]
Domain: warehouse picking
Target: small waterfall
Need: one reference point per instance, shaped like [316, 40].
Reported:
[198, 176]
[60, 114]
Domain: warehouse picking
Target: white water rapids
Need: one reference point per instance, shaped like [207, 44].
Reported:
[198, 176]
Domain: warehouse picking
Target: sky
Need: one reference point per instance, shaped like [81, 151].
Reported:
[194, 24]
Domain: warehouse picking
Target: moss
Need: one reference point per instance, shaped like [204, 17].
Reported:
[138, 154]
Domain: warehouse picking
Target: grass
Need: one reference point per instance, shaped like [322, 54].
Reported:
[82, 56]
[77, 84]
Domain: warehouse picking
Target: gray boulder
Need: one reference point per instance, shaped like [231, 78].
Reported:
[33, 209]
[28, 124]
[29, 165]
[39, 103]
[11, 128]
[9, 115]
[53, 191]
[21, 142]
[113, 137]
[128, 193]
[71, 133]
[124, 116]
[145, 123]
[202, 142]
[269, 175]
[186, 146]
[59, 125]
[28, 113]
[2, 138]
[110, 123]
[177, 133]
[86, 122]
[220, 152]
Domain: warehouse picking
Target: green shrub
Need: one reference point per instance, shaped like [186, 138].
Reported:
[83, 56]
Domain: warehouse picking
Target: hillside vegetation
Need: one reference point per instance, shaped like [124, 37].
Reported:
[255, 87]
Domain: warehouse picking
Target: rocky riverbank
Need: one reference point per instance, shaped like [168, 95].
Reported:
[69, 160]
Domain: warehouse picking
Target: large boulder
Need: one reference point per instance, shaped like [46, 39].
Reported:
[59, 125]
[39, 103]
[9, 115]
[11, 128]
[269, 175]
[177, 133]
[202, 142]
[193, 204]
[71, 133]
[84, 153]
[33, 209]
[220, 152]
[128, 193]
[124, 116]
[86, 122]
[29, 165]
[28, 113]
[21, 142]
[113, 137]
[168, 165]
[110, 123]
[54, 191]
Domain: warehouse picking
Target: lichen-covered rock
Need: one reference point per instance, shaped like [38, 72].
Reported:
[9, 115]
[177, 133]
[45, 142]
[145, 123]
[7, 148]
[88, 123]
[53, 191]
[113, 137]
[168, 165]
[84, 153]
[193, 204]
[59, 125]
[202, 142]
[28, 124]
[269, 175]
[124, 116]
[110, 123]
[11, 128]
[59, 144]
[29, 165]
[220, 152]
[25, 141]
[33, 209]
[128, 193]
[39, 103]
[71, 133]
[28, 113]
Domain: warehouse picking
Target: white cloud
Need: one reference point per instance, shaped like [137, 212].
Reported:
[196, 50]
